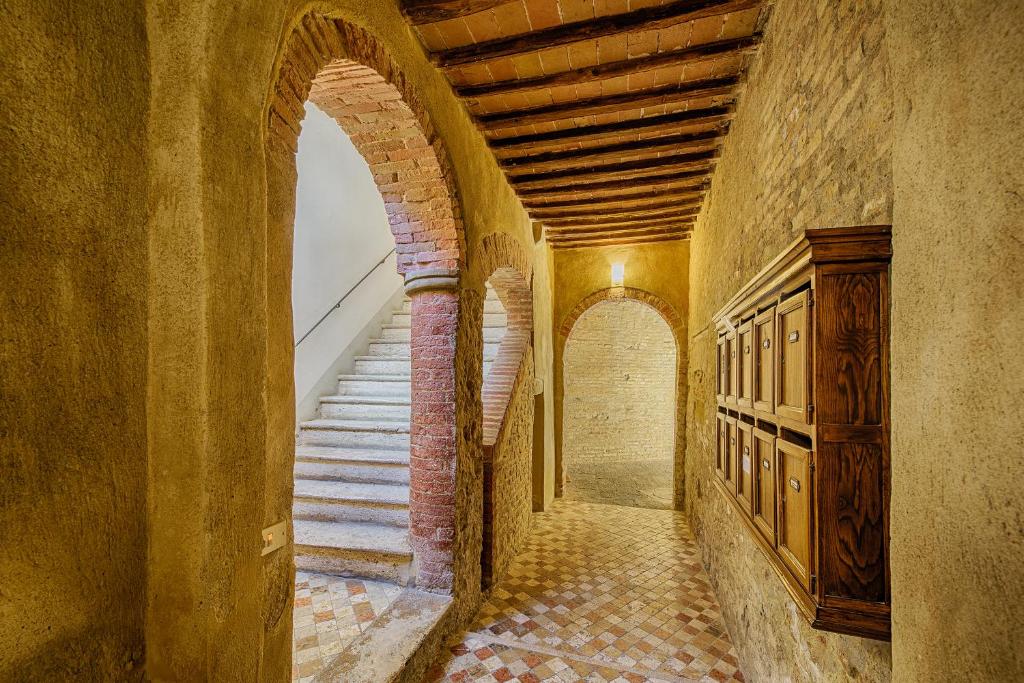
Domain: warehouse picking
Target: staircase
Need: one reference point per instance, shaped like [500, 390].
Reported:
[351, 501]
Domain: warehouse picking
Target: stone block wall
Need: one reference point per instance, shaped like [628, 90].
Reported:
[619, 406]
[810, 146]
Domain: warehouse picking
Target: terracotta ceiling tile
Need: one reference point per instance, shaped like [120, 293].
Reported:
[612, 48]
[576, 10]
[475, 73]
[675, 37]
[603, 8]
[643, 80]
[664, 76]
[642, 43]
[740, 24]
[584, 54]
[542, 14]
[502, 69]
[483, 26]
[614, 86]
[706, 30]
[563, 93]
[554, 60]
[431, 37]
[527, 66]
[512, 18]
[535, 98]
[455, 33]
[698, 71]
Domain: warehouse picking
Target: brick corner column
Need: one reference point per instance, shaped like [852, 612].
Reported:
[435, 312]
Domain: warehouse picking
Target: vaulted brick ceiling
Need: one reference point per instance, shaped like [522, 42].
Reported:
[606, 115]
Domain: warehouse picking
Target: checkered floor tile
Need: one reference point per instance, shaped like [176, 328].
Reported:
[600, 593]
[329, 612]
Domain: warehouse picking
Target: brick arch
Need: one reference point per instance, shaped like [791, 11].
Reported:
[345, 71]
[678, 327]
[503, 262]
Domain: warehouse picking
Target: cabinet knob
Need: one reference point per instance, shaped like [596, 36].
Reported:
[794, 336]
[746, 349]
[794, 484]
[765, 464]
[766, 344]
[746, 450]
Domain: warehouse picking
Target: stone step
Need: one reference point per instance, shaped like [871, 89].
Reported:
[490, 319]
[354, 434]
[387, 348]
[382, 365]
[341, 501]
[353, 408]
[354, 465]
[492, 304]
[371, 551]
[374, 385]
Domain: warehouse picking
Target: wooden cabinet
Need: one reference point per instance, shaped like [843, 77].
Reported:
[745, 363]
[763, 508]
[764, 361]
[803, 422]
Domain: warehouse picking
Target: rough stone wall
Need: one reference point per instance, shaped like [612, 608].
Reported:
[811, 145]
[655, 273]
[511, 462]
[957, 326]
[619, 406]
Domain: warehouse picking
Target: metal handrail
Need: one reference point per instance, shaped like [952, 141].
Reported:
[343, 297]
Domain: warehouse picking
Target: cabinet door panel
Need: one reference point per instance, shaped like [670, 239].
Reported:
[745, 363]
[744, 465]
[764, 361]
[792, 329]
[764, 484]
[730, 377]
[730, 451]
[722, 447]
[721, 370]
[795, 543]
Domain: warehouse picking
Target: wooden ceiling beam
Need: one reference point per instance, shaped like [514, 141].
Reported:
[611, 104]
[681, 206]
[430, 11]
[623, 167]
[683, 191]
[641, 221]
[646, 19]
[623, 240]
[600, 72]
[695, 177]
[587, 233]
[505, 147]
[668, 143]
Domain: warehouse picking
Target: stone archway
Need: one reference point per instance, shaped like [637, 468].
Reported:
[678, 327]
[507, 392]
[348, 74]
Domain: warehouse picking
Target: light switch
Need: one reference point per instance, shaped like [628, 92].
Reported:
[274, 537]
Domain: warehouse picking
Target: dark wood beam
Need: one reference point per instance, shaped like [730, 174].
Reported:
[626, 67]
[589, 155]
[698, 177]
[650, 97]
[619, 223]
[647, 19]
[683, 206]
[622, 241]
[622, 167]
[562, 238]
[430, 11]
[684, 191]
[505, 147]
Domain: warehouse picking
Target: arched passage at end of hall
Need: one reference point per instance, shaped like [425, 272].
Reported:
[348, 74]
[678, 332]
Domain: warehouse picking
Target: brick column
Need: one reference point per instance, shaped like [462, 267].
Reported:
[435, 310]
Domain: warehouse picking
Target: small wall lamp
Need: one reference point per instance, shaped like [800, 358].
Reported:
[618, 274]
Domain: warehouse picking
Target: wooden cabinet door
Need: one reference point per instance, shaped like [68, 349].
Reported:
[764, 361]
[722, 447]
[730, 452]
[763, 507]
[792, 327]
[721, 369]
[745, 363]
[744, 465]
[730, 359]
[795, 541]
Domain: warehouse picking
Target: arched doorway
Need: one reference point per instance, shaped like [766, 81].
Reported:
[348, 75]
[618, 436]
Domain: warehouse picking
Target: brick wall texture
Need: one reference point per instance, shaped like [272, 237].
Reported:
[619, 406]
[810, 146]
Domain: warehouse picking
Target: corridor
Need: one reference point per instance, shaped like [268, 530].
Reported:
[600, 593]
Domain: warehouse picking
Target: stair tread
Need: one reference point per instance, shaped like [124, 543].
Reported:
[365, 536]
[341, 454]
[388, 494]
[343, 425]
[366, 400]
[375, 377]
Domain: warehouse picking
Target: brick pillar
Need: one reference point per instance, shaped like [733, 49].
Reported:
[435, 311]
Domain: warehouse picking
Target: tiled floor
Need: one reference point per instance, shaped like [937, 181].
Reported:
[601, 593]
[329, 612]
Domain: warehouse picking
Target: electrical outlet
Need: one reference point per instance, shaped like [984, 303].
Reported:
[274, 537]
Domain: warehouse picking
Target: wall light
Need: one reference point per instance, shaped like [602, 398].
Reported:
[618, 274]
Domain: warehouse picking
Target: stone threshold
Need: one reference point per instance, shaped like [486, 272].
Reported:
[400, 641]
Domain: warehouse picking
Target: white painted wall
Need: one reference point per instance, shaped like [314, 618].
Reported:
[341, 233]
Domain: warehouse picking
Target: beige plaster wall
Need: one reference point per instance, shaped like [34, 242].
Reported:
[957, 324]
[810, 146]
[620, 406]
[150, 367]
[544, 335]
[660, 268]
[73, 292]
